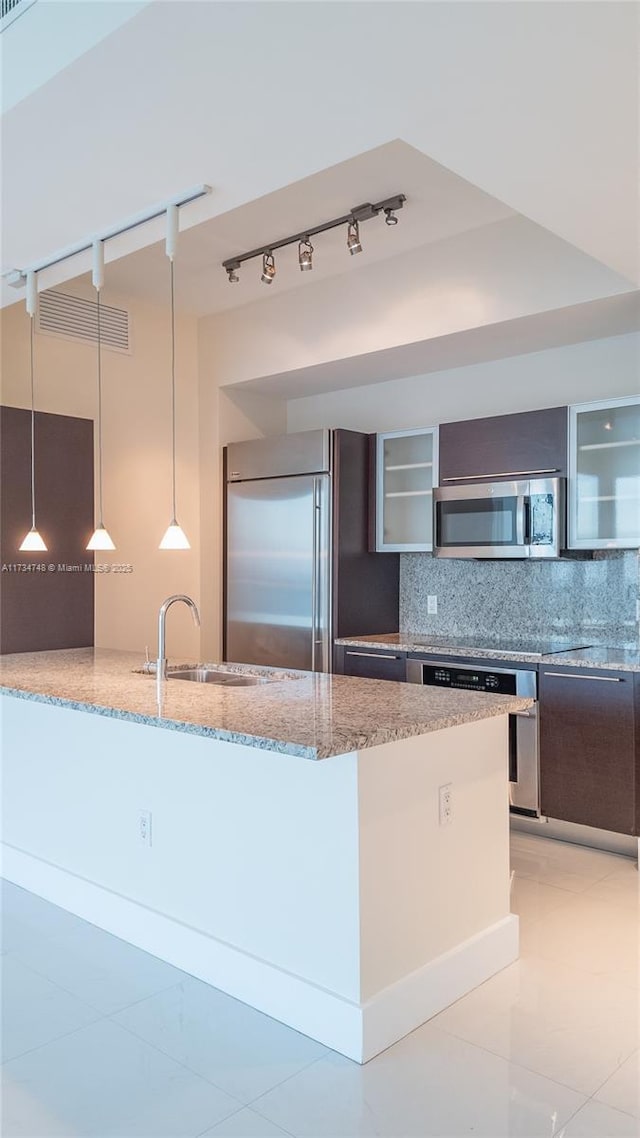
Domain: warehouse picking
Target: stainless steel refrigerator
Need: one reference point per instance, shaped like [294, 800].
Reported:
[299, 571]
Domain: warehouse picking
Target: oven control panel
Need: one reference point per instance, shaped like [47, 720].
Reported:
[474, 679]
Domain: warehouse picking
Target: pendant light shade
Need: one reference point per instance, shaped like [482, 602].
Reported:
[100, 538]
[32, 541]
[174, 536]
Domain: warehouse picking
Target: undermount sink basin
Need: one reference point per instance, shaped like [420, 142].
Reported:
[216, 676]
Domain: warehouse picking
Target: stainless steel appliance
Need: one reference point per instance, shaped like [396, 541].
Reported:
[298, 571]
[523, 725]
[500, 519]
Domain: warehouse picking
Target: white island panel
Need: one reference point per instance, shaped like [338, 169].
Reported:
[325, 894]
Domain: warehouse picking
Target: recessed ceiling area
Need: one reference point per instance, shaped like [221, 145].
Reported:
[439, 205]
[612, 316]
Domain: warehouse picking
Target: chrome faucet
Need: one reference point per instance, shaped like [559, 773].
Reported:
[161, 663]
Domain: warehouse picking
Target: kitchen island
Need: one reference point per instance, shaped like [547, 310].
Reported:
[332, 851]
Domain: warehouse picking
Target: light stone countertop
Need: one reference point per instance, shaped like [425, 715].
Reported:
[314, 716]
[621, 658]
[614, 659]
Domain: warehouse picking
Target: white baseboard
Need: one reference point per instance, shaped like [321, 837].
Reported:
[358, 1031]
[416, 998]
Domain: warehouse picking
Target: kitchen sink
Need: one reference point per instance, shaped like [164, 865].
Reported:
[217, 676]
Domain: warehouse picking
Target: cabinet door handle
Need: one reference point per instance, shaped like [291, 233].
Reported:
[501, 474]
[373, 655]
[576, 676]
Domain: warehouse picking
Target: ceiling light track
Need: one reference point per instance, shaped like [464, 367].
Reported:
[352, 220]
[17, 278]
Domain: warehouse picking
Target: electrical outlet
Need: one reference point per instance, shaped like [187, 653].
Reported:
[144, 828]
[446, 804]
[432, 605]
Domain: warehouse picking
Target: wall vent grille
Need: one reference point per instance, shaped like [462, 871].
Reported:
[74, 318]
[11, 9]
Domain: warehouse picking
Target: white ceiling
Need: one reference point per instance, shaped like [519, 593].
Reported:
[439, 205]
[535, 104]
[54, 33]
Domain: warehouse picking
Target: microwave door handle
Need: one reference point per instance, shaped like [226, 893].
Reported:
[521, 510]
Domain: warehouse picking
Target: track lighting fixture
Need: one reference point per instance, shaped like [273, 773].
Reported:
[32, 542]
[354, 244]
[268, 268]
[305, 255]
[352, 220]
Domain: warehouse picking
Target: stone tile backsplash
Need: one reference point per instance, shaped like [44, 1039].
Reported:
[597, 600]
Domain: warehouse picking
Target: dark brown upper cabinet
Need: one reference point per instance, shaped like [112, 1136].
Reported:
[525, 445]
[46, 599]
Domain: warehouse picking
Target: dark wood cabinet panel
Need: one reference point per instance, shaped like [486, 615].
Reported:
[504, 445]
[370, 664]
[588, 755]
[42, 608]
[366, 584]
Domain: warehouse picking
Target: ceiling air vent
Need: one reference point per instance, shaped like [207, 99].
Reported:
[75, 318]
[11, 9]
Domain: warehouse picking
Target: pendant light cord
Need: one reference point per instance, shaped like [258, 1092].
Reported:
[33, 428]
[100, 523]
[173, 393]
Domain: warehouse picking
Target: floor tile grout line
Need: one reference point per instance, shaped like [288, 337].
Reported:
[185, 1066]
[582, 972]
[15, 954]
[166, 1055]
[203, 1133]
[614, 1072]
[50, 1042]
[524, 1067]
[282, 1082]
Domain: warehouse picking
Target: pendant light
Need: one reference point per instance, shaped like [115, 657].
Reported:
[174, 537]
[32, 542]
[100, 538]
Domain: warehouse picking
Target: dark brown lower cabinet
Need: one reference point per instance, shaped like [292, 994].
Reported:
[370, 664]
[589, 764]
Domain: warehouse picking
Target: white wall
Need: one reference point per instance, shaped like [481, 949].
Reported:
[598, 369]
[137, 450]
[224, 417]
[470, 280]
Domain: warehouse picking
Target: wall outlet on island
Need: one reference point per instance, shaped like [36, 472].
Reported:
[446, 804]
[144, 828]
[432, 605]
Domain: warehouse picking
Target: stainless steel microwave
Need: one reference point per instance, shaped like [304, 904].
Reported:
[500, 519]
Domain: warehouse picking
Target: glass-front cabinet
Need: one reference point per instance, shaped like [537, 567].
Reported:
[604, 475]
[407, 471]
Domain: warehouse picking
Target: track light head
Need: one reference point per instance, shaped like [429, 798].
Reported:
[232, 273]
[390, 217]
[354, 244]
[268, 268]
[305, 255]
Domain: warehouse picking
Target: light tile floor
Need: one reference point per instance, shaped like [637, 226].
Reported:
[99, 1039]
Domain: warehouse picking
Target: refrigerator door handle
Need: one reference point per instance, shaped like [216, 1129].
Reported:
[314, 574]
